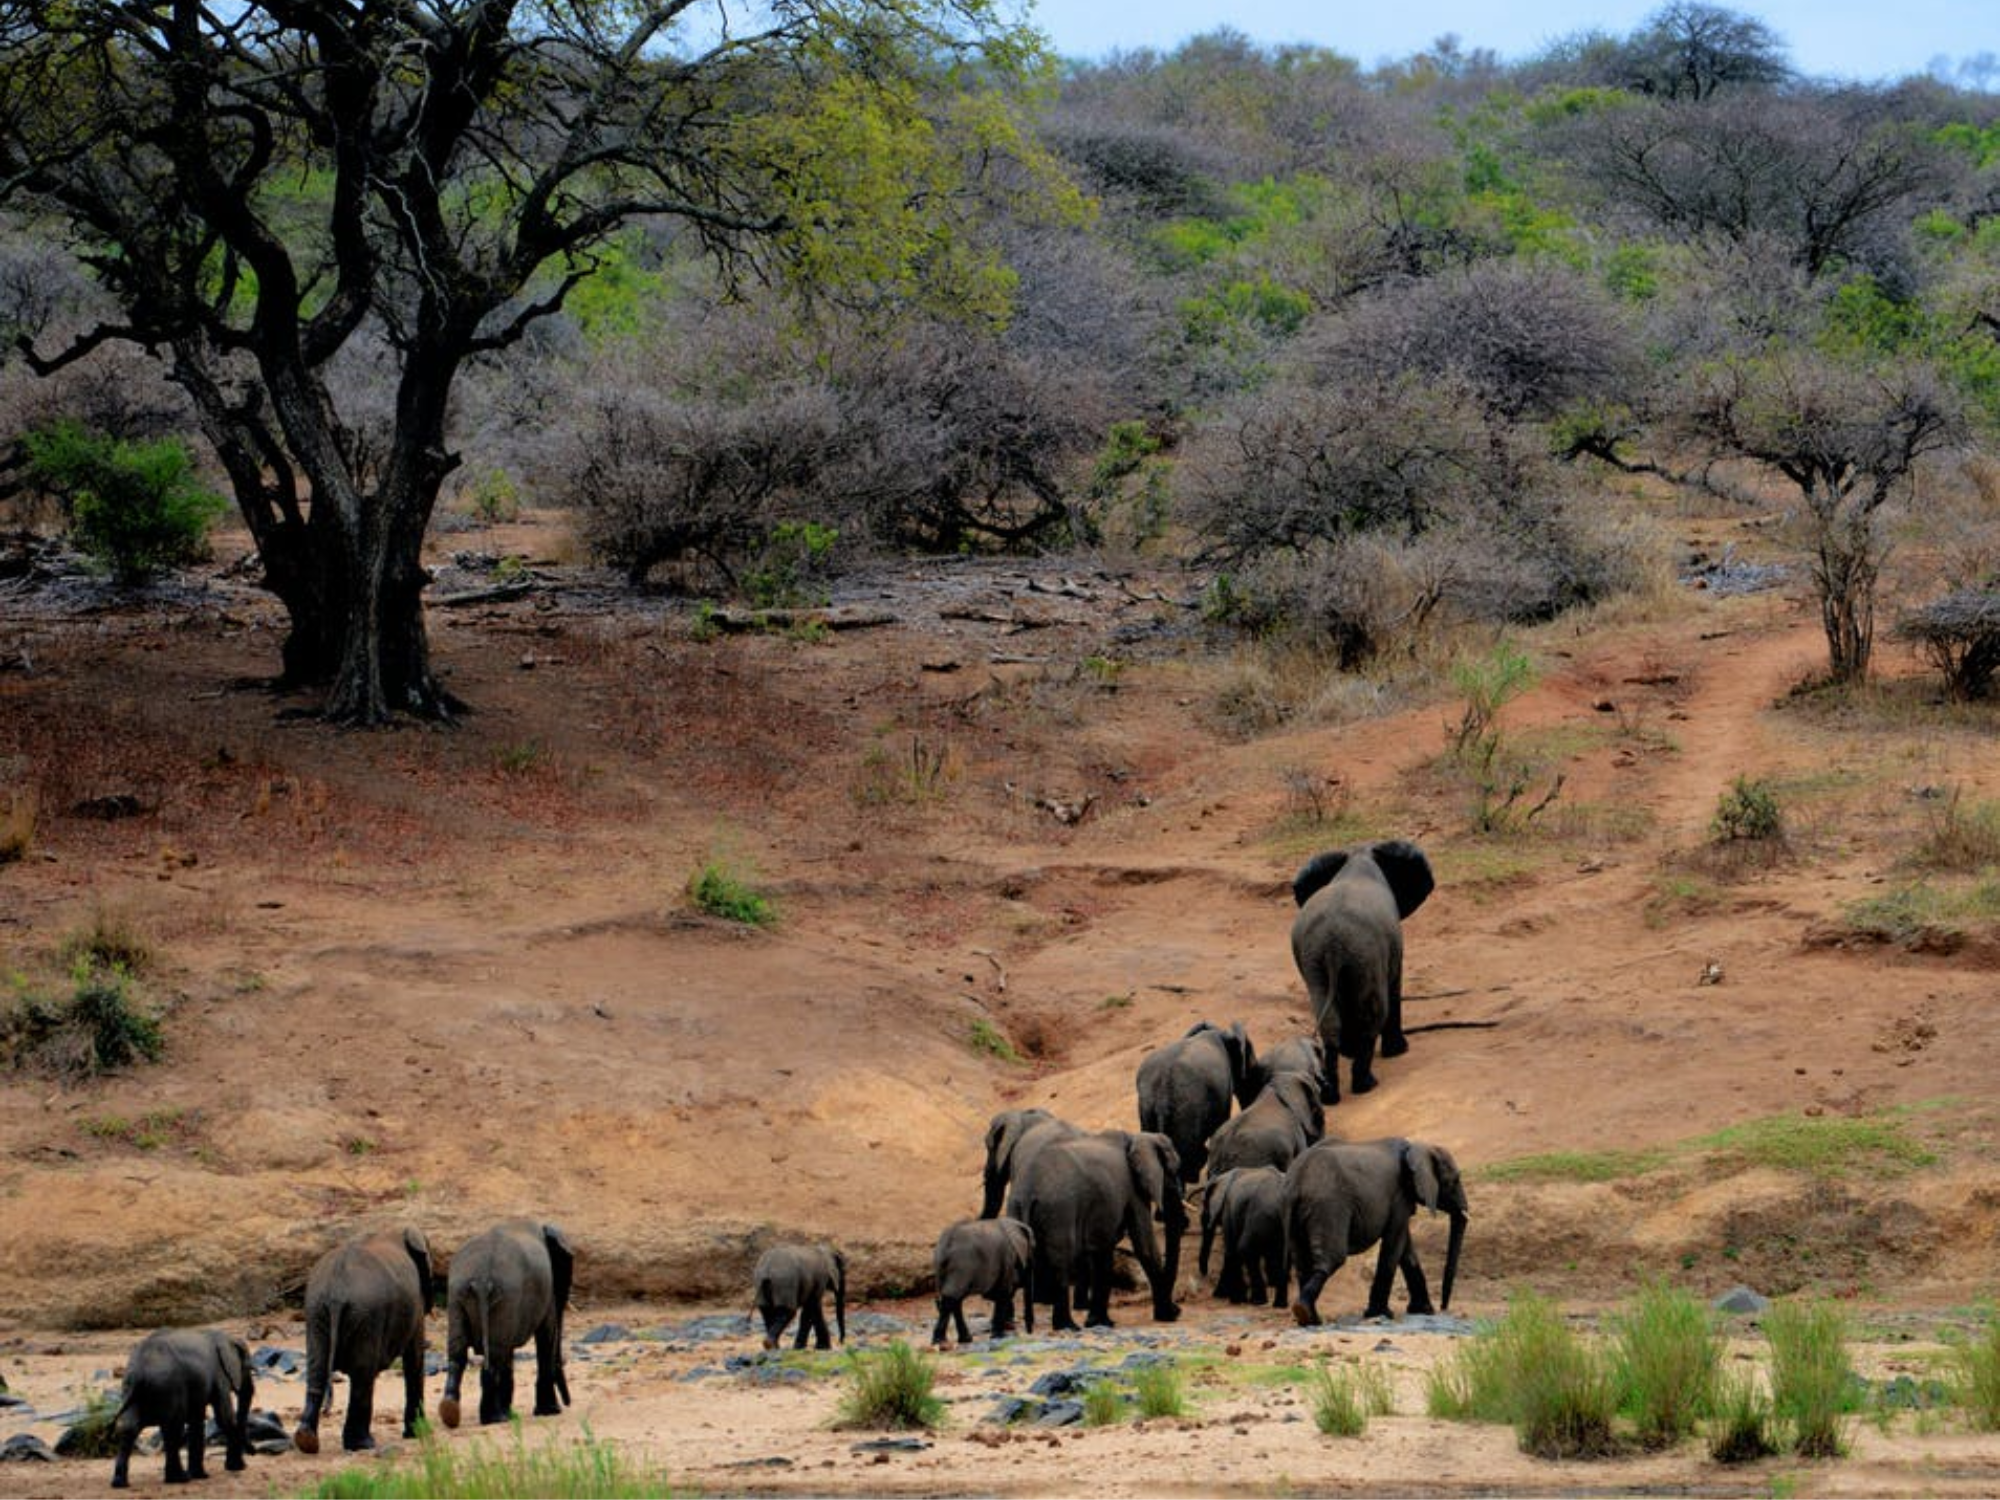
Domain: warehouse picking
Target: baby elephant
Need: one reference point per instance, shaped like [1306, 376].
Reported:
[984, 1258]
[793, 1279]
[1246, 1206]
[507, 1286]
[171, 1381]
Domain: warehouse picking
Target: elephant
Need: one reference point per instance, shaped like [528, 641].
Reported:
[1347, 941]
[1186, 1089]
[1013, 1137]
[171, 1380]
[365, 1306]
[984, 1258]
[1080, 1197]
[1283, 1120]
[1246, 1206]
[507, 1285]
[1302, 1054]
[794, 1279]
[1343, 1196]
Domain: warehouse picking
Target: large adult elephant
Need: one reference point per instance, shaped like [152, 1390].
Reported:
[172, 1380]
[1013, 1139]
[365, 1307]
[1186, 1088]
[1282, 1121]
[506, 1286]
[1082, 1196]
[1348, 943]
[1343, 1196]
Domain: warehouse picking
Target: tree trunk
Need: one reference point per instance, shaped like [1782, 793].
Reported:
[1845, 567]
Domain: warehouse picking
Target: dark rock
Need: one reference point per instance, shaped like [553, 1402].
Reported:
[892, 1445]
[703, 1330]
[266, 1427]
[862, 1324]
[1064, 1382]
[274, 1361]
[1740, 1299]
[606, 1333]
[435, 1363]
[1061, 1414]
[110, 807]
[1011, 1409]
[776, 1461]
[26, 1448]
[8, 1401]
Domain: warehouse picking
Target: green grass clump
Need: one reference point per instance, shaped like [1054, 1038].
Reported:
[1976, 1376]
[1577, 1166]
[1531, 1370]
[1103, 1404]
[1912, 913]
[91, 1434]
[891, 1390]
[1344, 1399]
[987, 1038]
[1811, 1388]
[1816, 1145]
[1748, 811]
[1739, 1420]
[108, 941]
[587, 1469]
[1160, 1391]
[1665, 1353]
[721, 891]
[97, 1028]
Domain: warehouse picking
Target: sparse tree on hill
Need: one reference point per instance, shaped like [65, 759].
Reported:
[264, 187]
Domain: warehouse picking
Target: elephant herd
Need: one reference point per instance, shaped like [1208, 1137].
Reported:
[366, 1301]
[1244, 1136]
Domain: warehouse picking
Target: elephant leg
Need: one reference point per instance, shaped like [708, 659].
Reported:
[354, 1434]
[234, 1445]
[496, 1386]
[197, 1444]
[1280, 1273]
[1061, 1318]
[547, 1355]
[1413, 1278]
[127, 1432]
[1361, 1076]
[1099, 1315]
[822, 1335]
[1394, 1043]
[1255, 1291]
[1305, 1307]
[1003, 1316]
[318, 1377]
[413, 1387]
[173, 1436]
[1384, 1279]
[775, 1319]
[943, 1321]
[454, 1379]
[960, 1326]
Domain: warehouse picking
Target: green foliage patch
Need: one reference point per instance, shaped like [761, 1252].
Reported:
[138, 508]
[891, 1389]
[585, 1469]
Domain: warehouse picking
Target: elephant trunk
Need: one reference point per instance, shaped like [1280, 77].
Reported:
[996, 1189]
[1452, 1246]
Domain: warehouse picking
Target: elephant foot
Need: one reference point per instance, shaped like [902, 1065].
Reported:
[448, 1412]
[1305, 1315]
[235, 1465]
[177, 1479]
[1395, 1046]
[306, 1440]
[551, 1410]
[1420, 1309]
[363, 1444]
[1377, 1312]
[120, 1482]
[1362, 1085]
[1167, 1313]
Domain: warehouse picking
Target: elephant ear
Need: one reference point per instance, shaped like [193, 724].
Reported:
[1149, 1175]
[419, 1250]
[1243, 1077]
[233, 1355]
[1198, 1028]
[1300, 1097]
[1020, 1240]
[1409, 875]
[1421, 1170]
[1316, 873]
[562, 1264]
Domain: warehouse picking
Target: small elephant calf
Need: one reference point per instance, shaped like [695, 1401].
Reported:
[793, 1279]
[172, 1379]
[984, 1258]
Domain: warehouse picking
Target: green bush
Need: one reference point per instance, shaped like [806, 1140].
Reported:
[1160, 1391]
[1811, 1387]
[1344, 1399]
[97, 1028]
[1666, 1352]
[1748, 811]
[890, 1389]
[588, 1469]
[721, 891]
[137, 508]
[1976, 1372]
[1739, 1423]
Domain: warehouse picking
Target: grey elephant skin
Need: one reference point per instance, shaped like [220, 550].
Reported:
[506, 1286]
[1284, 1120]
[365, 1307]
[1302, 1054]
[1343, 1196]
[1014, 1137]
[988, 1258]
[172, 1380]
[1347, 941]
[1246, 1208]
[796, 1280]
[1186, 1088]
[1081, 1197]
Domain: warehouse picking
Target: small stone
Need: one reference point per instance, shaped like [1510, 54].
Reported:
[1740, 1299]
[25, 1448]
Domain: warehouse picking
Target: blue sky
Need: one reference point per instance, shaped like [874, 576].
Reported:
[1861, 40]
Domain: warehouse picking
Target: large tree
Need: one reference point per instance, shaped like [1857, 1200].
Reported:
[266, 187]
